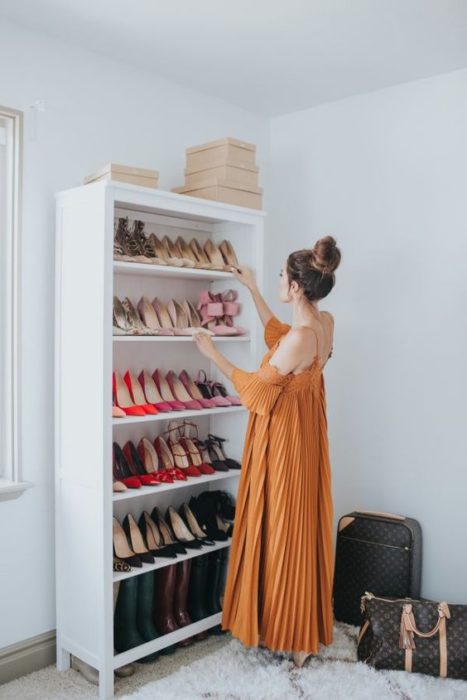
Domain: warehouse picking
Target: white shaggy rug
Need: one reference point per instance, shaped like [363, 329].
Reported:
[221, 668]
[238, 673]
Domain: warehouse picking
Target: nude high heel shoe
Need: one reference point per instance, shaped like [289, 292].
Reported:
[228, 253]
[158, 249]
[201, 256]
[150, 318]
[194, 319]
[187, 252]
[299, 658]
[164, 317]
[173, 255]
[214, 255]
[179, 319]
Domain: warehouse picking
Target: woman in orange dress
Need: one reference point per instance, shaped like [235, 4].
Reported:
[279, 581]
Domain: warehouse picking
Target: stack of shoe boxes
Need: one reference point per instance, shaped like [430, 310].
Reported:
[224, 170]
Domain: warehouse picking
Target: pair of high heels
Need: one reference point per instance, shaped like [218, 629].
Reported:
[218, 310]
[138, 543]
[136, 246]
[208, 452]
[149, 464]
[155, 318]
[215, 512]
[154, 393]
[165, 460]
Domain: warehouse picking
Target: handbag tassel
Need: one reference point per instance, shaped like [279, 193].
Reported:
[406, 637]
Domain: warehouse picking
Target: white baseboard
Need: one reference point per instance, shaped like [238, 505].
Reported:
[27, 656]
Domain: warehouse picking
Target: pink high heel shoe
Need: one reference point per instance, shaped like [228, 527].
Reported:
[231, 309]
[193, 390]
[164, 390]
[211, 309]
[151, 392]
[218, 389]
[180, 392]
[203, 385]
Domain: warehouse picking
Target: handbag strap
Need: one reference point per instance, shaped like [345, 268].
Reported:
[409, 627]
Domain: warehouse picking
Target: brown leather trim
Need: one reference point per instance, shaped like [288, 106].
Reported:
[345, 521]
[363, 630]
[408, 660]
[443, 649]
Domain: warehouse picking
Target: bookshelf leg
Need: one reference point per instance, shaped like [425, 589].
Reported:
[106, 683]
[63, 658]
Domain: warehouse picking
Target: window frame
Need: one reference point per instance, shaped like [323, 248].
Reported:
[11, 484]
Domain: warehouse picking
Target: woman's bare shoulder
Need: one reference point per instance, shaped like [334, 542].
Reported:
[328, 314]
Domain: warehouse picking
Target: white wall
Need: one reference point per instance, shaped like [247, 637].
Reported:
[97, 110]
[385, 173]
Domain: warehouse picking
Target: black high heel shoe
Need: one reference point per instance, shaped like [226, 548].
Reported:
[122, 549]
[180, 531]
[205, 510]
[153, 537]
[136, 540]
[192, 524]
[215, 443]
[165, 531]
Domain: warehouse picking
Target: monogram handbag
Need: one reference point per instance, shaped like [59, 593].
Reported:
[379, 552]
[413, 635]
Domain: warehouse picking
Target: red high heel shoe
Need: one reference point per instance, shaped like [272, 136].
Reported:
[149, 458]
[137, 393]
[123, 398]
[180, 393]
[164, 391]
[151, 392]
[121, 469]
[195, 455]
[167, 460]
[148, 477]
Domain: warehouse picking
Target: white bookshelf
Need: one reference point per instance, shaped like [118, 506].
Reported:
[86, 352]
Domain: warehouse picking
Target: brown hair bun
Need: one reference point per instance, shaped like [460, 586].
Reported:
[325, 255]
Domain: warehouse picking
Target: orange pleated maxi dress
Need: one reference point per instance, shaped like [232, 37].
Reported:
[281, 566]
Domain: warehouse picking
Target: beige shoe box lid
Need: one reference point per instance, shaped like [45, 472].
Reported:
[120, 171]
[228, 141]
[222, 151]
[216, 182]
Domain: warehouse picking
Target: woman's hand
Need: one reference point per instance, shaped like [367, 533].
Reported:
[205, 344]
[245, 276]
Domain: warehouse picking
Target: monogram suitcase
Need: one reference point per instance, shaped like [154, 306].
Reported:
[378, 552]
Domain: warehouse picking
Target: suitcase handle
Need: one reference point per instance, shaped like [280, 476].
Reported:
[384, 515]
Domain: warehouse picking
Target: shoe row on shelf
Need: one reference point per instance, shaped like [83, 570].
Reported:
[159, 602]
[196, 524]
[150, 394]
[214, 314]
[171, 456]
[135, 246]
